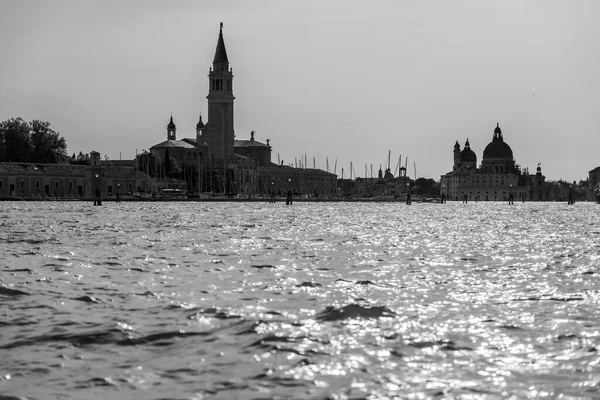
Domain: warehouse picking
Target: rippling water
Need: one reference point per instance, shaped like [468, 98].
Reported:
[312, 301]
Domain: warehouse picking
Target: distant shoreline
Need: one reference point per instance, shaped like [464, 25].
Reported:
[209, 200]
[263, 200]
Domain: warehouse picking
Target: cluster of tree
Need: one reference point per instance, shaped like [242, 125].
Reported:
[80, 159]
[35, 141]
[167, 168]
[427, 187]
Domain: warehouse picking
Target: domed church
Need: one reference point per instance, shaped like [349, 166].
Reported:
[497, 177]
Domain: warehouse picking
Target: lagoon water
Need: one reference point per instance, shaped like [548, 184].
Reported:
[199, 300]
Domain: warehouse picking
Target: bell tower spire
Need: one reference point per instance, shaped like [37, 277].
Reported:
[219, 127]
[220, 52]
[171, 130]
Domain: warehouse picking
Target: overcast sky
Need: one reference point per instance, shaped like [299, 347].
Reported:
[347, 80]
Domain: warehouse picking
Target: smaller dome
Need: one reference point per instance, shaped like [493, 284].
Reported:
[171, 124]
[200, 124]
[468, 155]
[498, 130]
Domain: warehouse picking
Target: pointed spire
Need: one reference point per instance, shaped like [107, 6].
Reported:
[467, 144]
[200, 124]
[171, 130]
[221, 53]
[497, 132]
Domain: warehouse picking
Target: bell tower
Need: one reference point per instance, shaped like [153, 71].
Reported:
[219, 128]
[200, 132]
[456, 154]
[171, 130]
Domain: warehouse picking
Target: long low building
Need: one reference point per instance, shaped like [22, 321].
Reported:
[69, 181]
[279, 179]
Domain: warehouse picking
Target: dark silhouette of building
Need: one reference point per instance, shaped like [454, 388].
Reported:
[497, 177]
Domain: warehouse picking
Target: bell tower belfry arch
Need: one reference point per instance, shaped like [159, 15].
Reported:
[219, 128]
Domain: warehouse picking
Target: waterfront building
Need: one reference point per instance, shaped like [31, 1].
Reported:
[259, 152]
[224, 164]
[497, 177]
[594, 177]
[594, 184]
[307, 182]
[68, 181]
[173, 156]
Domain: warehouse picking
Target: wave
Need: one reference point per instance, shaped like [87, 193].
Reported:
[5, 291]
[447, 345]
[354, 311]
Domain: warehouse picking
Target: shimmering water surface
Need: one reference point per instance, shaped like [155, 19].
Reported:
[311, 301]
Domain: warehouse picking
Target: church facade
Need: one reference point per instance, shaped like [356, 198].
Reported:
[497, 178]
[222, 163]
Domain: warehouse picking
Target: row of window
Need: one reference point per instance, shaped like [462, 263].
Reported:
[483, 182]
[488, 196]
[37, 184]
[56, 185]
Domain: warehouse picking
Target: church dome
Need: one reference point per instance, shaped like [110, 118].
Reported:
[497, 147]
[468, 155]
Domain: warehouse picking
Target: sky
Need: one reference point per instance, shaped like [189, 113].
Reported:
[347, 81]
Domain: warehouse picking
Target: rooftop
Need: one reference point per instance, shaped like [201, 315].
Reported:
[249, 143]
[9, 168]
[173, 143]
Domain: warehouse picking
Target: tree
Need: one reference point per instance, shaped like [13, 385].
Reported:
[148, 163]
[48, 146]
[167, 162]
[15, 143]
[35, 141]
[428, 187]
[81, 159]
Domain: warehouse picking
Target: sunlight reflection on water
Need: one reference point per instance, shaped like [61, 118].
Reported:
[316, 300]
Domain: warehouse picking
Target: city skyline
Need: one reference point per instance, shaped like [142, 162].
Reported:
[349, 83]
